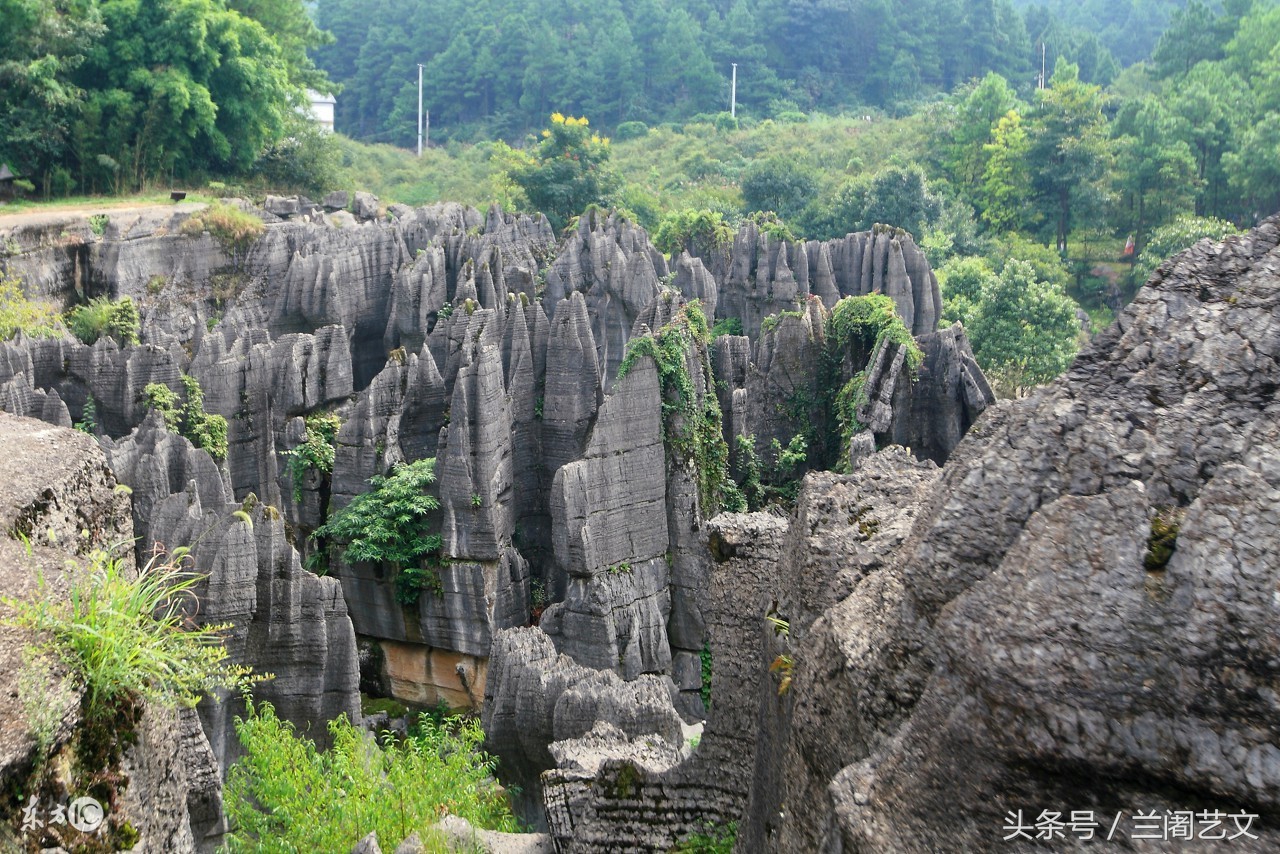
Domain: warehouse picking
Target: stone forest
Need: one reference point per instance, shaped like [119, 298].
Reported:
[441, 458]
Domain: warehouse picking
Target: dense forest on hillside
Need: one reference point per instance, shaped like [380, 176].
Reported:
[498, 67]
[108, 95]
[1158, 122]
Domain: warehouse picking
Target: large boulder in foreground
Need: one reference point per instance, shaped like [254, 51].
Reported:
[1083, 617]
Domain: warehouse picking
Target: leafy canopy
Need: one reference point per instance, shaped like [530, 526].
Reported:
[1024, 329]
[567, 170]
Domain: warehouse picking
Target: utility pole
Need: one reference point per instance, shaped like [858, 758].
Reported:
[733, 93]
[1042, 64]
[419, 109]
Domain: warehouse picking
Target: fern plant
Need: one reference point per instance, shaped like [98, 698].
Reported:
[389, 524]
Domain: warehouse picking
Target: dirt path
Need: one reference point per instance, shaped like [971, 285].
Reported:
[46, 215]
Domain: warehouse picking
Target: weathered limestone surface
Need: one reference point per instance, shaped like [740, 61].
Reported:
[472, 338]
[59, 493]
[612, 263]
[286, 621]
[759, 275]
[535, 696]
[1014, 652]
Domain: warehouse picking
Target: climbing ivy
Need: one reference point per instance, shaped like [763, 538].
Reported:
[204, 430]
[315, 452]
[866, 323]
[691, 429]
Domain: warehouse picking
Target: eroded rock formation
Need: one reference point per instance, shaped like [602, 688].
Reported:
[566, 489]
[1026, 644]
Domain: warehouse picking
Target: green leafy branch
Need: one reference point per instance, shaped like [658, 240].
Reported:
[389, 524]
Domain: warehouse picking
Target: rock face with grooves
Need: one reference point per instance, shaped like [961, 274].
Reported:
[1024, 645]
[759, 275]
[286, 620]
[474, 339]
[59, 493]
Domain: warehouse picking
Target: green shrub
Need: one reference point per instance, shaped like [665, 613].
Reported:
[125, 637]
[317, 450]
[389, 523]
[771, 224]
[234, 229]
[98, 223]
[778, 184]
[161, 398]
[726, 122]
[712, 840]
[693, 230]
[202, 429]
[1025, 330]
[727, 326]
[375, 705]
[1163, 541]
[778, 482]
[285, 795]
[19, 314]
[88, 422]
[631, 130]
[306, 160]
[102, 317]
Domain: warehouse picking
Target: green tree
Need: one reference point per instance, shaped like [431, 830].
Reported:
[1255, 39]
[693, 231]
[1253, 169]
[1069, 149]
[685, 76]
[42, 43]
[964, 281]
[977, 114]
[778, 184]
[291, 26]
[180, 85]
[900, 196]
[1172, 238]
[391, 524]
[1024, 331]
[1194, 35]
[1155, 169]
[835, 214]
[1005, 192]
[567, 171]
[1212, 104]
